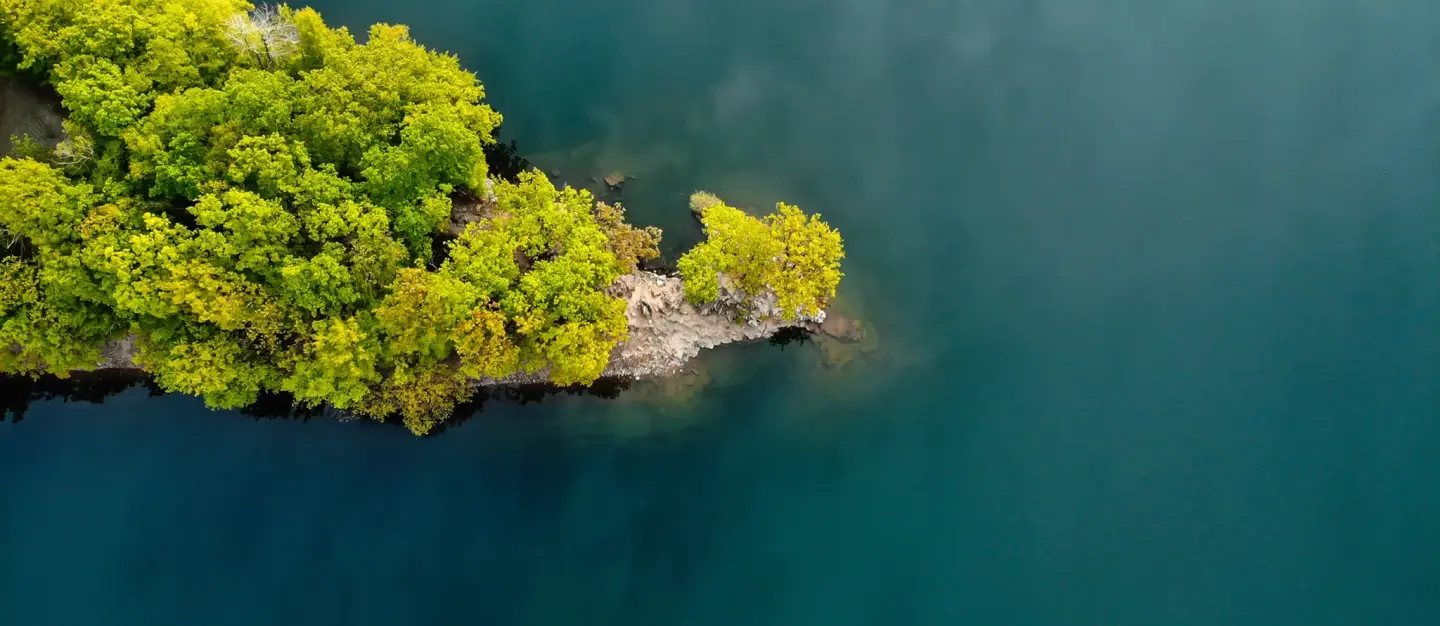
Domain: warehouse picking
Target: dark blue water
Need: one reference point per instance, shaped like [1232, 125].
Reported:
[1157, 291]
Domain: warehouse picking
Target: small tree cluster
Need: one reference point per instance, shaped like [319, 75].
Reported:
[631, 245]
[789, 253]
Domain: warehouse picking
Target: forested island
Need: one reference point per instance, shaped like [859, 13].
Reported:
[244, 199]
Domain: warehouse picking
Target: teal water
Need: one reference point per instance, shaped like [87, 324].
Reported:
[1155, 286]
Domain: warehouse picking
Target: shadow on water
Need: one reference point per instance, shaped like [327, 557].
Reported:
[604, 388]
[503, 159]
[18, 393]
[282, 406]
[790, 334]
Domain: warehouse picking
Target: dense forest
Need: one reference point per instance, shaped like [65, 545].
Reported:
[262, 201]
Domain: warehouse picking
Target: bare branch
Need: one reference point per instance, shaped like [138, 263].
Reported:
[264, 32]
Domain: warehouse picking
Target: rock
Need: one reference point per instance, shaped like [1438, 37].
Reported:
[466, 209]
[842, 328]
[118, 354]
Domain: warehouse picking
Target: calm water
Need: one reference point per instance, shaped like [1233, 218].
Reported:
[1156, 286]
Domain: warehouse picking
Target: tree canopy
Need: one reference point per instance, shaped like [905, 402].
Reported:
[263, 202]
[795, 256]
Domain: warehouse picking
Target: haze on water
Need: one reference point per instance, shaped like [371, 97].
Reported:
[1154, 285]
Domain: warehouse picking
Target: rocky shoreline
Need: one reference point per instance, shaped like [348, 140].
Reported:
[666, 331]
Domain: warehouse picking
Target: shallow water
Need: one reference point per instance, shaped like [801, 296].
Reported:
[1159, 344]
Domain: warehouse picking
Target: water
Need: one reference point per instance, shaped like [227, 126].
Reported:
[1160, 336]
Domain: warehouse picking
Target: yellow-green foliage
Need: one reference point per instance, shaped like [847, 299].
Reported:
[561, 319]
[809, 261]
[485, 347]
[794, 255]
[423, 395]
[256, 196]
[338, 365]
[630, 245]
[218, 369]
[44, 330]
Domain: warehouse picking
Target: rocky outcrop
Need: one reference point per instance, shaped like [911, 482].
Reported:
[666, 330]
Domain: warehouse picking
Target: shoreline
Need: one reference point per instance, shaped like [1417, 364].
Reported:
[666, 332]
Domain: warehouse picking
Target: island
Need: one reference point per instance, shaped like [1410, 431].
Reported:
[240, 199]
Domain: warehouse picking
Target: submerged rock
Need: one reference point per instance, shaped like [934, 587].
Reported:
[842, 328]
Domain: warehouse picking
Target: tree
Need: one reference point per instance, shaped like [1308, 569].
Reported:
[629, 244]
[339, 364]
[484, 345]
[44, 333]
[736, 245]
[217, 369]
[421, 311]
[809, 266]
[424, 395]
[484, 257]
[109, 59]
[701, 268]
[265, 33]
[38, 204]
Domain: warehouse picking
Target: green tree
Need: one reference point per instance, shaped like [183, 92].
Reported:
[424, 395]
[38, 204]
[484, 345]
[321, 285]
[339, 364]
[45, 333]
[809, 265]
[629, 244]
[422, 310]
[484, 257]
[217, 369]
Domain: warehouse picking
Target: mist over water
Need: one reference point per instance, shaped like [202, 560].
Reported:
[1156, 289]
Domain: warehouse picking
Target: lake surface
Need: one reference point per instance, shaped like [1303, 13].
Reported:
[1155, 286]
